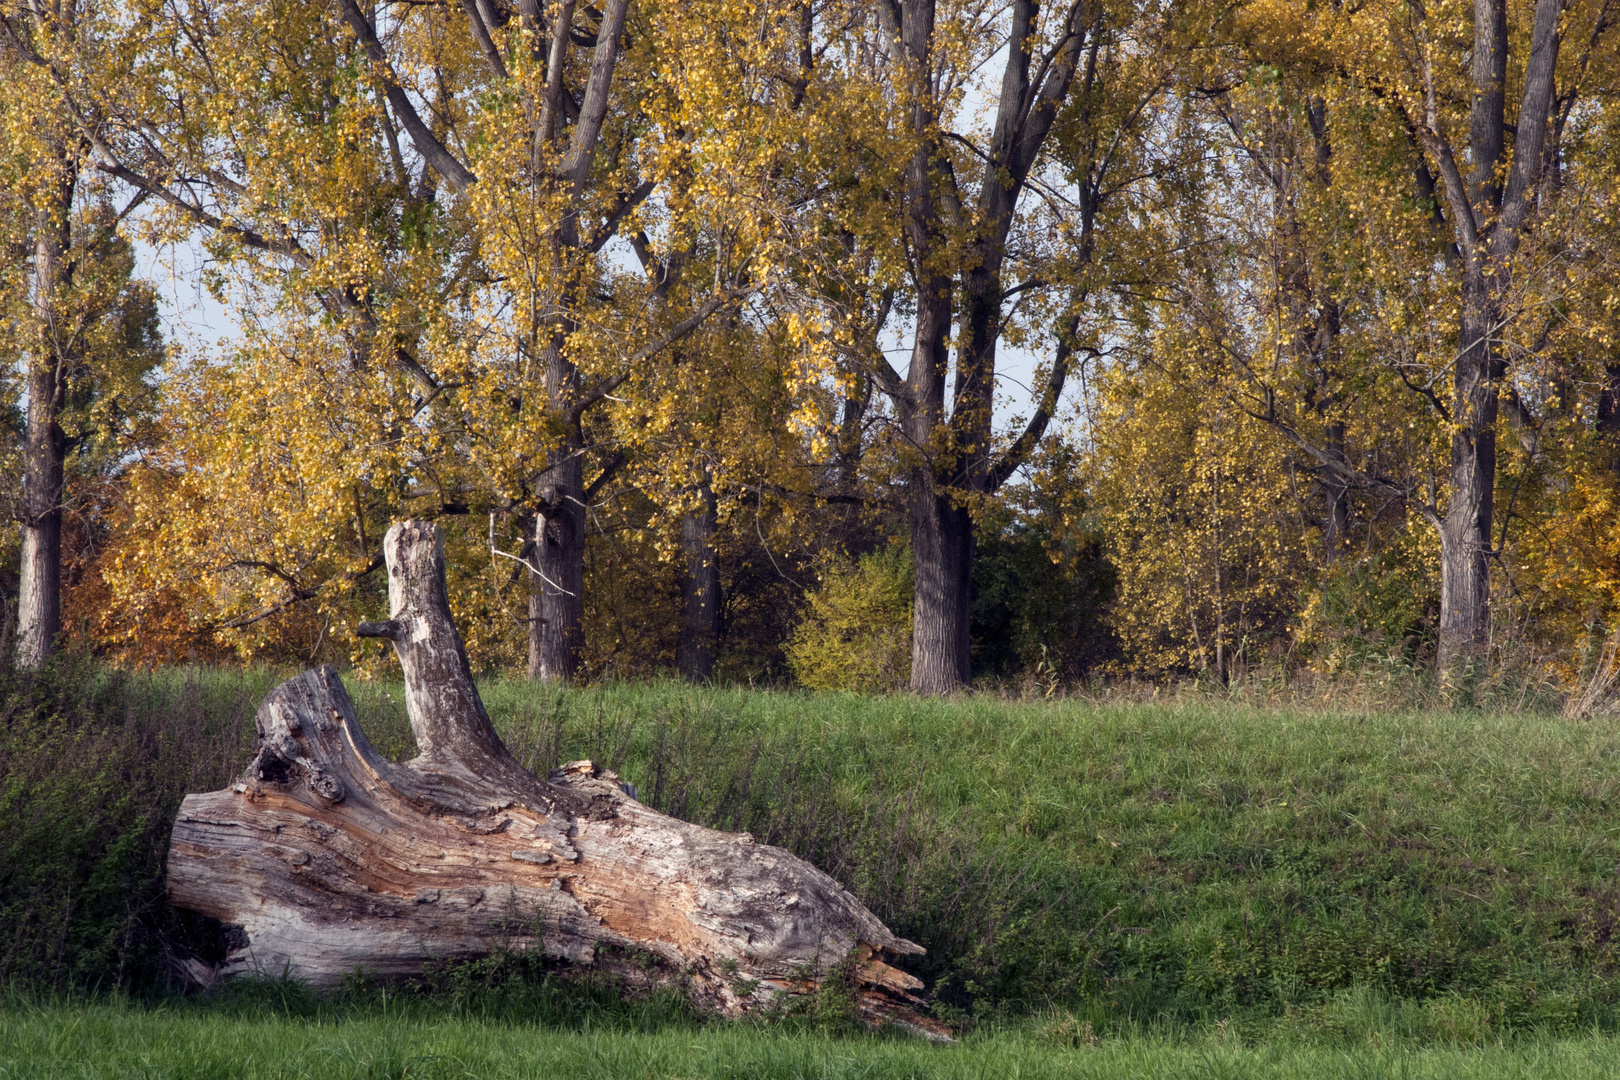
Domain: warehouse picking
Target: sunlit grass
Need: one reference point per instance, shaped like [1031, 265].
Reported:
[182, 1043]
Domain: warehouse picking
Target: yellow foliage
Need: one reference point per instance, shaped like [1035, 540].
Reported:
[1198, 505]
[856, 630]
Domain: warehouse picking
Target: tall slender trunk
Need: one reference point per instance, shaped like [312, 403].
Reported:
[1608, 413]
[1323, 340]
[700, 589]
[937, 557]
[941, 525]
[941, 531]
[39, 597]
[557, 590]
[1336, 519]
[1489, 220]
[1465, 530]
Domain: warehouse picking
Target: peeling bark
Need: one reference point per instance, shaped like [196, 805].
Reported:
[329, 858]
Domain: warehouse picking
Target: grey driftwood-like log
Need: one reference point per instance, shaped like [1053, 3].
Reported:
[324, 857]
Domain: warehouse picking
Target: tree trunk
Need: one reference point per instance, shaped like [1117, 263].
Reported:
[700, 589]
[1492, 218]
[938, 633]
[1607, 421]
[324, 857]
[1465, 530]
[942, 567]
[557, 574]
[557, 591]
[39, 595]
[1336, 519]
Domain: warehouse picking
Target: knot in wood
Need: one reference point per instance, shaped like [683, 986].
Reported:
[326, 785]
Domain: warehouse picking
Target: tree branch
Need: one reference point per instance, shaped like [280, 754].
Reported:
[681, 330]
[434, 152]
[297, 596]
[486, 44]
[1532, 131]
[614, 464]
[1026, 442]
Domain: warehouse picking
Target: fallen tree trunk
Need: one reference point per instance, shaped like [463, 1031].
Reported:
[324, 857]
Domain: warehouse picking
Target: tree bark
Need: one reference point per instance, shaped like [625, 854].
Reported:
[557, 590]
[325, 857]
[39, 598]
[1465, 530]
[700, 589]
[942, 567]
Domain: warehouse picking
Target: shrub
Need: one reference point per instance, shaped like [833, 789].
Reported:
[856, 631]
[1037, 598]
[93, 765]
[1385, 605]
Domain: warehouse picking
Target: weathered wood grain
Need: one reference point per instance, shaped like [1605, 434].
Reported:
[331, 859]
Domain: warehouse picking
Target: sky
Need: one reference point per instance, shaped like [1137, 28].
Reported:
[191, 317]
[194, 320]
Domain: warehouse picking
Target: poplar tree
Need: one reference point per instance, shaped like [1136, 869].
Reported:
[82, 329]
[980, 234]
[416, 206]
[1427, 263]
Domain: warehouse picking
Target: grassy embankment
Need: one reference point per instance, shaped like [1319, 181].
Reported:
[1194, 871]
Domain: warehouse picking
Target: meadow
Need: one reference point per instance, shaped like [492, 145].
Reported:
[1193, 886]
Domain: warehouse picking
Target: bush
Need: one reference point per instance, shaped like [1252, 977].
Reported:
[1037, 602]
[1383, 606]
[856, 631]
[93, 765]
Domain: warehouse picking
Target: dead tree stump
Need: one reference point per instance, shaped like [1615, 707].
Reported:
[324, 857]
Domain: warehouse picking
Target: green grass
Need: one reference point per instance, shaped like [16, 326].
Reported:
[188, 1043]
[1138, 867]
[1190, 861]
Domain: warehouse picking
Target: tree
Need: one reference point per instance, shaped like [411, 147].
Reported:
[1205, 532]
[856, 629]
[85, 330]
[977, 237]
[1476, 228]
[419, 206]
